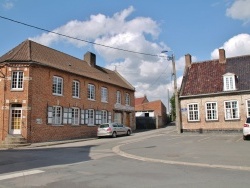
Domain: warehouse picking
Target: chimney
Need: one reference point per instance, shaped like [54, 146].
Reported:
[188, 60]
[222, 56]
[90, 58]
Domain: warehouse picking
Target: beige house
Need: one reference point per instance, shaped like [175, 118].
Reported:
[215, 94]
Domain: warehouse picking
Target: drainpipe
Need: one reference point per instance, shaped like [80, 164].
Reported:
[4, 87]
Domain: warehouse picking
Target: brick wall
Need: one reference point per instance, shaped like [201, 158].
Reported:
[37, 96]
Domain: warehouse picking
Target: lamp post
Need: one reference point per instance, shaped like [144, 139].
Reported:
[177, 107]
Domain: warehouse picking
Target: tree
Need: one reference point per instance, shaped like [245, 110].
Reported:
[173, 111]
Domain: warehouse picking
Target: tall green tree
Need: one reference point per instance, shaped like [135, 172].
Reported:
[172, 102]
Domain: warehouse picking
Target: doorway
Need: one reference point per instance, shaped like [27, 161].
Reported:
[15, 119]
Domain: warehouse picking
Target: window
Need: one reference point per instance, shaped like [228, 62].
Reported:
[17, 80]
[211, 111]
[91, 92]
[229, 82]
[75, 89]
[104, 116]
[193, 112]
[57, 85]
[231, 110]
[75, 116]
[57, 115]
[104, 94]
[127, 99]
[118, 97]
[90, 117]
[248, 108]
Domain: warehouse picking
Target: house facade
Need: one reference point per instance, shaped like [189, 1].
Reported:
[215, 94]
[144, 110]
[49, 95]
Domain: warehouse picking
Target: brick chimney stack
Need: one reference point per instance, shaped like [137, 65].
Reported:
[90, 58]
[222, 56]
[188, 60]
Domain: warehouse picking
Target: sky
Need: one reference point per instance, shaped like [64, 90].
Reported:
[129, 36]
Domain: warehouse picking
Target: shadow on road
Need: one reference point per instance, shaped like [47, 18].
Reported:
[24, 159]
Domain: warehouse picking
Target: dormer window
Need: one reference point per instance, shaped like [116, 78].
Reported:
[229, 82]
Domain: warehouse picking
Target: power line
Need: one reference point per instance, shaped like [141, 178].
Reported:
[67, 36]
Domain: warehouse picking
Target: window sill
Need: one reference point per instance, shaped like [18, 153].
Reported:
[238, 119]
[17, 90]
[91, 125]
[104, 101]
[57, 125]
[75, 97]
[91, 99]
[60, 95]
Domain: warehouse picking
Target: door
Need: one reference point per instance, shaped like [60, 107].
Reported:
[16, 119]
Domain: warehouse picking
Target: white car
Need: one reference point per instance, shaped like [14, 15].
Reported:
[113, 130]
[246, 129]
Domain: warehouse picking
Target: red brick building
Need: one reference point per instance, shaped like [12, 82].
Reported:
[49, 95]
[152, 109]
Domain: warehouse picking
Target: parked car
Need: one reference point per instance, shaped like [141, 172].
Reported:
[113, 130]
[246, 129]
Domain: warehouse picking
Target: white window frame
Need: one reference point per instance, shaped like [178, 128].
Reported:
[17, 78]
[231, 112]
[212, 110]
[91, 116]
[127, 99]
[104, 116]
[91, 92]
[248, 107]
[57, 88]
[193, 114]
[76, 89]
[57, 117]
[104, 94]
[118, 97]
[229, 82]
[75, 116]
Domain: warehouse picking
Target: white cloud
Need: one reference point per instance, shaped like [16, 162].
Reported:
[240, 10]
[235, 46]
[8, 4]
[150, 75]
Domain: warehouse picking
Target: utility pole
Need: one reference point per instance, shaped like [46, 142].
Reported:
[177, 106]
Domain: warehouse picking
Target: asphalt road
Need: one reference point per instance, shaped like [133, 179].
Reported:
[156, 158]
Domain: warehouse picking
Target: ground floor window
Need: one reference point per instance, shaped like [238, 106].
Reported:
[193, 112]
[91, 116]
[248, 108]
[75, 116]
[57, 115]
[231, 110]
[104, 116]
[211, 111]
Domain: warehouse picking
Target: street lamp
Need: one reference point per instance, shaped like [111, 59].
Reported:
[177, 107]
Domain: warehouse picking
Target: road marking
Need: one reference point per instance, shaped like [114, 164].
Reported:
[239, 139]
[20, 174]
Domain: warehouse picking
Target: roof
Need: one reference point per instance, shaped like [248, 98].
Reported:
[141, 100]
[156, 106]
[207, 77]
[34, 53]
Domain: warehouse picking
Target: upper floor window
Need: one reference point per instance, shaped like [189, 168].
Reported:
[118, 97]
[104, 94]
[193, 112]
[91, 91]
[57, 85]
[231, 110]
[127, 99]
[75, 89]
[229, 82]
[211, 111]
[17, 80]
